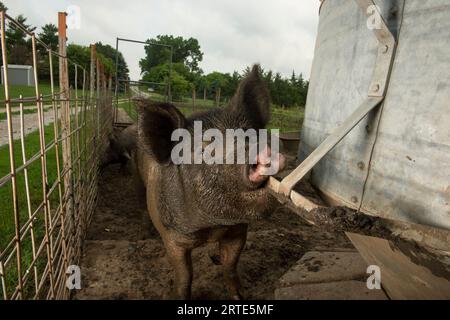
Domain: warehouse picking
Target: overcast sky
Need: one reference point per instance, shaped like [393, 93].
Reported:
[233, 34]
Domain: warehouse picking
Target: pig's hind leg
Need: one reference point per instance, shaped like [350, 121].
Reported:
[231, 245]
[181, 261]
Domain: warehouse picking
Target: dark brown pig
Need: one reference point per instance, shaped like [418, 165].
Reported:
[120, 147]
[191, 204]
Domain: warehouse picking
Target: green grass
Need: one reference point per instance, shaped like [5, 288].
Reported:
[7, 223]
[198, 102]
[34, 176]
[286, 120]
[26, 92]
[36, 197]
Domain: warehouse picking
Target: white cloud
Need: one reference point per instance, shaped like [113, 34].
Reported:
[233, 34]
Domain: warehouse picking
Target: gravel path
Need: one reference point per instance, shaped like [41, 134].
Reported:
[31, 124]
[30, 120]
[17, 108]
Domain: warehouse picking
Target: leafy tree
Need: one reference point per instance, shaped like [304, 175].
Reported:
[15, 35]
[227, 83]
[3, 7]
[186, 74]
[160, 74]
[157, 74]
[200, 84]
[82, 56]
[216, 80]
[233, 83]
[109, 52]
[186, 51]
[49, 35]
[180, 86]
[286, 92]
[302, 89]
[18, 46]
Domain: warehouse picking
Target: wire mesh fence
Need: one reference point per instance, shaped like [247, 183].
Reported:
[51, 143]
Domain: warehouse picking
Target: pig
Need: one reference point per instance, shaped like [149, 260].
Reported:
[120, 147]
[192, 204]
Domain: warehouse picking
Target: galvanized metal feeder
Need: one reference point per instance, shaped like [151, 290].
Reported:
[376, 137]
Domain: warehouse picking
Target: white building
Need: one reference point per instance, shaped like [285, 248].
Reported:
[19, 75]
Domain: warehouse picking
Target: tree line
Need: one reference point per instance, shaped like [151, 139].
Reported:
[18, 48]
[186, 75]
[184, 71]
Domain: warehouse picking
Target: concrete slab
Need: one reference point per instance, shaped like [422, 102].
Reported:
[341, 290]
[318, 267]
[331, 275]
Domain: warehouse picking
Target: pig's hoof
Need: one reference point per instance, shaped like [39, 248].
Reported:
[237, 296]
[215, 258]
[179, 296]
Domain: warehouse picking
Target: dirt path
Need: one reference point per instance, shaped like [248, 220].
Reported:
[123, 117]
[124, 257]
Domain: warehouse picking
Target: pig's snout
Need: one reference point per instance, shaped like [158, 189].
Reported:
[267, 164]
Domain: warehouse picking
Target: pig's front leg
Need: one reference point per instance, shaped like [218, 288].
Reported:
[231, 245]
[180, 259]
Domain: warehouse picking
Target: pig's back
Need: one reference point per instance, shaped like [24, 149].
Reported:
[129, 137]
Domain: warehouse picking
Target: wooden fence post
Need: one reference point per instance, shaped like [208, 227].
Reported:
[92, 73]
[217, 97]
[67, 212]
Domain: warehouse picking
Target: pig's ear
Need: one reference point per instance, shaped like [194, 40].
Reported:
[252, 99]
[156, 122]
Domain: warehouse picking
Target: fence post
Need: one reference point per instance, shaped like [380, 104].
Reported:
[193, 98]
[110, 85]
[92, 102]
[11, 160]
[170, 75]
[67, 211]
[92, 74]
[110, 95]
[64, 102]
[97, 100]
[217, 97]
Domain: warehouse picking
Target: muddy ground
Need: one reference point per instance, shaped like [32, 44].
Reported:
[124, 257]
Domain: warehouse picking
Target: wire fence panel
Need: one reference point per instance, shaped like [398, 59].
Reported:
[49, 167]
